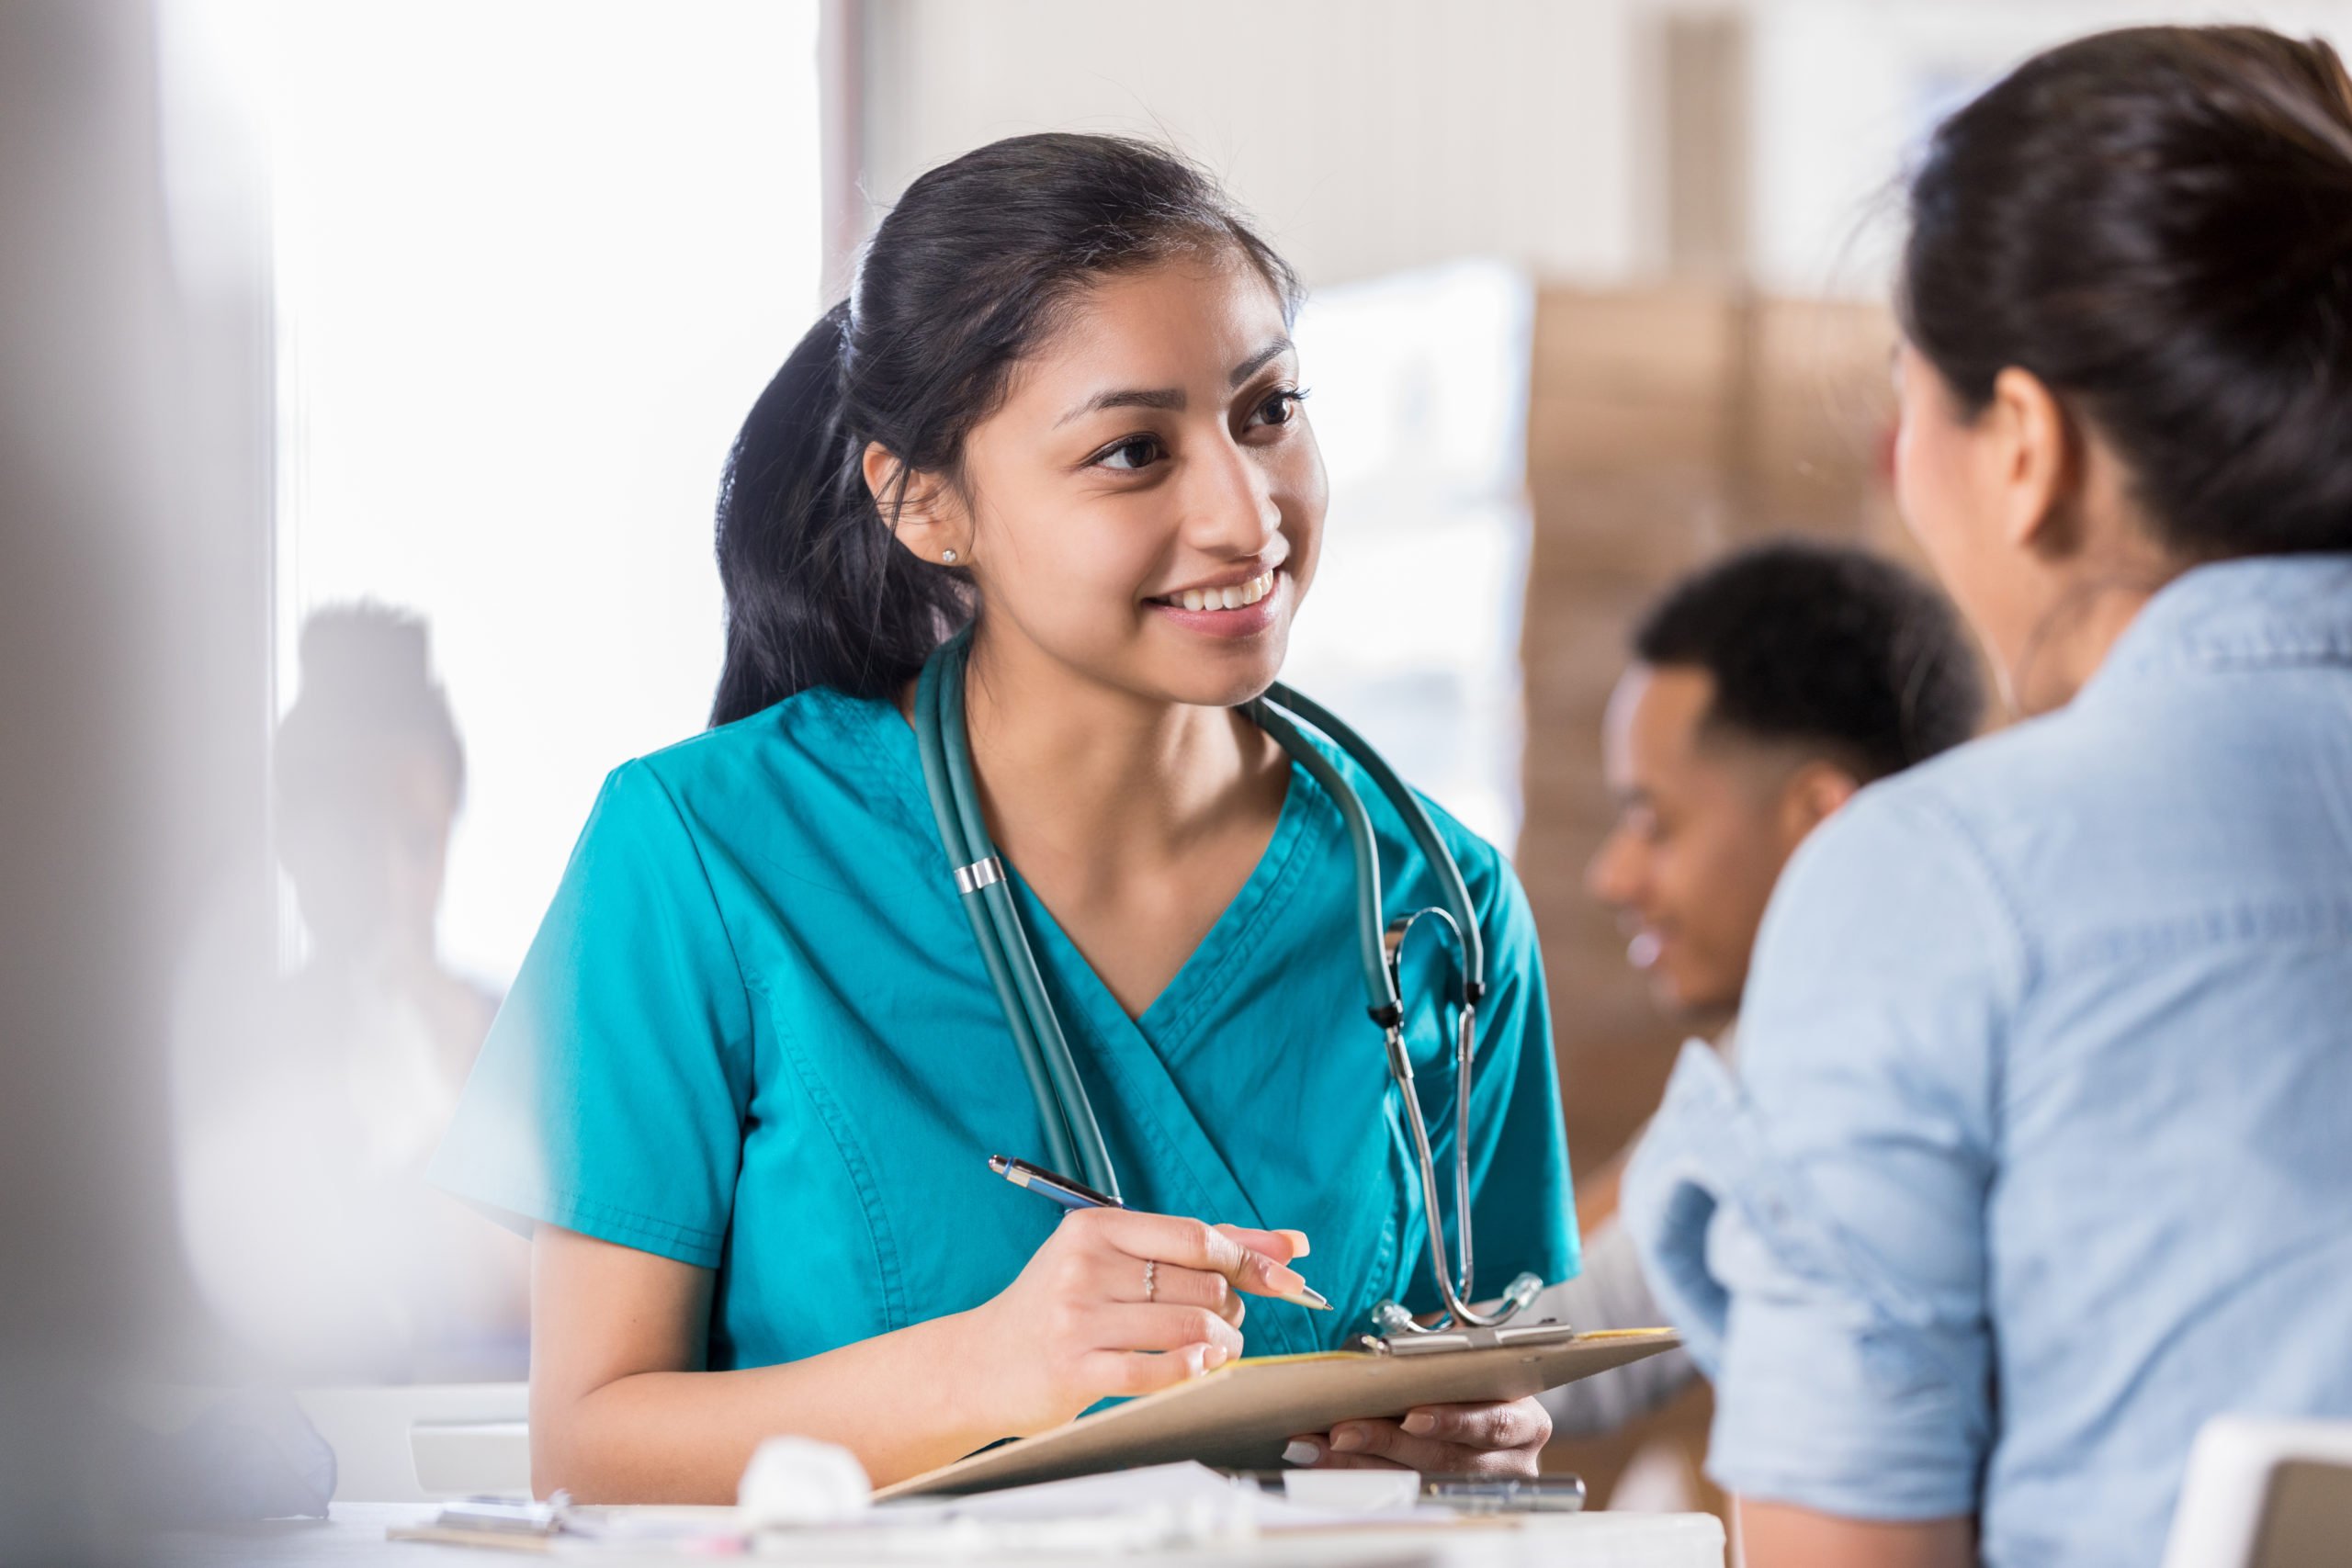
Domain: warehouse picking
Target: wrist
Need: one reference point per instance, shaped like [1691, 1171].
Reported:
[972, 1392]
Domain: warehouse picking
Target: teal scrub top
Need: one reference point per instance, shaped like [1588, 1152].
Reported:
[753, 1035]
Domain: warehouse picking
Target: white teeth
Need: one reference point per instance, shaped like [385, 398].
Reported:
[1234, 598]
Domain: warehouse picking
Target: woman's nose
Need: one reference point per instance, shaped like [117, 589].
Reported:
[1230, 507]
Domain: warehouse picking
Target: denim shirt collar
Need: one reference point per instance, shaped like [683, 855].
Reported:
[2261, 611]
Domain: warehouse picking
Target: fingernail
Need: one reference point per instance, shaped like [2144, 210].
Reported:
[1420, 1424]
[1214, 1356]
[1302, 1451]
[1298, 1245]
[1346, 1439]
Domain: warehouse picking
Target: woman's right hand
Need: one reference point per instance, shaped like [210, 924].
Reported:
[1116, 1303]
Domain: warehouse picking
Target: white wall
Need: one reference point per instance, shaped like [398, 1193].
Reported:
[1372, 136]
[1368, 136]
[1844, 91]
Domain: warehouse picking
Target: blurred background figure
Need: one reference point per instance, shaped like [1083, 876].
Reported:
[370, 777]
[305, 1127]
[1764, 692]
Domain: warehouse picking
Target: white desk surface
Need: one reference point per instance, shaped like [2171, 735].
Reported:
[353, 1534]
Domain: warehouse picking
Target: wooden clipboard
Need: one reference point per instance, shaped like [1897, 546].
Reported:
[1241, 1416]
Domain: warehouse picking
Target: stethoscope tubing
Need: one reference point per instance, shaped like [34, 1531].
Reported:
[1060, 1149]
[1012, 957]
[1451, 886]
[1073, 1135]
[1379, 987]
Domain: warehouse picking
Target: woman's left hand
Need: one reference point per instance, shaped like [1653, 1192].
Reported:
[1493, 1438]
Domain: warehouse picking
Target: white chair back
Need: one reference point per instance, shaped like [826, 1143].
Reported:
[2265, 1494]
[425, 1442]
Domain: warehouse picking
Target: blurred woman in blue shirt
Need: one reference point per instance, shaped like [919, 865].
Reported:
[2040, 1151]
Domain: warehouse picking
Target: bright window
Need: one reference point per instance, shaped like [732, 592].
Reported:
[533, 261]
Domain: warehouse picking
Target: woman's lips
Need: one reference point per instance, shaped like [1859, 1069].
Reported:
[1231, 594]
[1244, 620]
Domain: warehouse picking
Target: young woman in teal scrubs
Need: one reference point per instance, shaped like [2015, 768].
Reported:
[745, 1087]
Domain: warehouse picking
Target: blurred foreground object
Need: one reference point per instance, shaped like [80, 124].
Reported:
[133, 632]
[244, 1457]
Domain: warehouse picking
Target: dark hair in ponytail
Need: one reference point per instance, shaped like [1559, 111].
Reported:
[963, 278]
[2158, 223]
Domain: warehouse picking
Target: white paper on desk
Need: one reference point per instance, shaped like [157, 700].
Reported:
[1209, 1501]
[1112, 1492]
[641, 1524]
[1169, 1507]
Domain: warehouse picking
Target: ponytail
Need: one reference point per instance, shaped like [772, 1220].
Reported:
[819, 593]
[960, 280]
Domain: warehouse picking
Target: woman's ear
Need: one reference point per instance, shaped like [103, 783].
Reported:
[2037, 463]
[922, 509]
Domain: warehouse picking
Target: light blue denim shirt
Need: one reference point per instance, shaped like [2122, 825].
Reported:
[2039, 1149]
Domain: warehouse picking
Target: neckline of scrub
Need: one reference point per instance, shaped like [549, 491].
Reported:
[893, 740]
[1177, 1012]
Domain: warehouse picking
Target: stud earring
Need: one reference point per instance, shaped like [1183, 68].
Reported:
[947, 557]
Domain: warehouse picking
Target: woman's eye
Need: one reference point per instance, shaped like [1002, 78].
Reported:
[1277, 409]
[1131, 455]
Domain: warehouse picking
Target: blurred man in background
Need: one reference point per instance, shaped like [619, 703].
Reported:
[1765, 690]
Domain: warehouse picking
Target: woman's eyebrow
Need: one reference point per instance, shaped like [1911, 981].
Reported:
[1129, 397]
[1259, 361]
[1172, 398]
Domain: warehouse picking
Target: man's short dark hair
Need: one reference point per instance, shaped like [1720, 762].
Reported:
[1816, 645]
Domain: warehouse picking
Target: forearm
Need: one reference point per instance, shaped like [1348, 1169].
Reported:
[903, 1403]
[1779, 1535]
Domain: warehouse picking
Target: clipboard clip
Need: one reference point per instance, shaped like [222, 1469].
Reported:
[1428, 1342]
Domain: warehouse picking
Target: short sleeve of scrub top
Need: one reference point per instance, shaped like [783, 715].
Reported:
[610, 1097]
[754, 1035]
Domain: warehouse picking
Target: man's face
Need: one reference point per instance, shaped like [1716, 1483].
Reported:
[1705, 821]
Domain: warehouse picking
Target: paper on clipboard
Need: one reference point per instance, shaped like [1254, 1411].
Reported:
[1240, 1418]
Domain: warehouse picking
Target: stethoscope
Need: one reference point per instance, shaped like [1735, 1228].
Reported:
[1073, 1138]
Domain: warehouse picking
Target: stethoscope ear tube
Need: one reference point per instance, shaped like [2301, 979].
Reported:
[1059, 1150]
[1387, 948]
[1014, 956]
[1450, 885]
[1380, 997]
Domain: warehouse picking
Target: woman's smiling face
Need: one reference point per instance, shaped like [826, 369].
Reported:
[1145, 504]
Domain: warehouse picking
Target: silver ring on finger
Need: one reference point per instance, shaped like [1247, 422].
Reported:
[1151, 1278]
